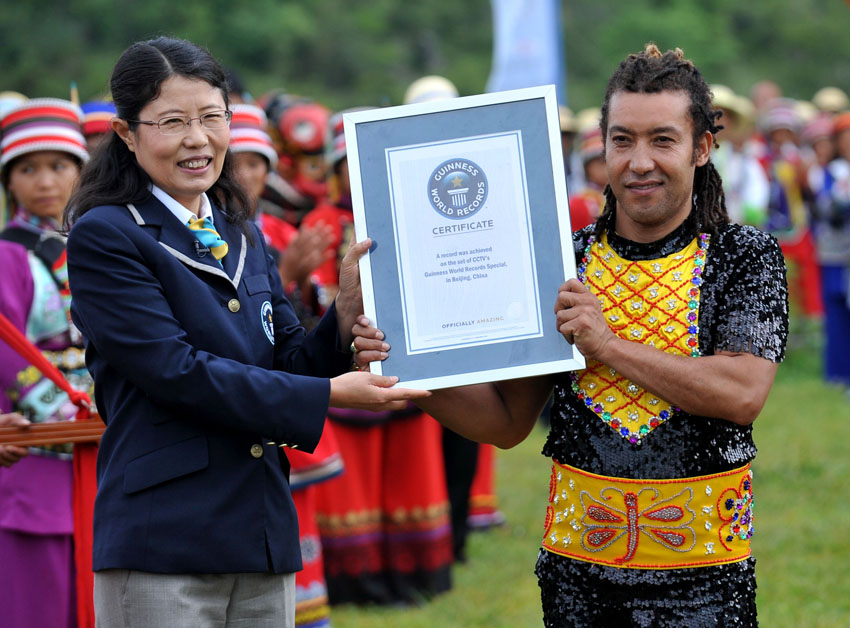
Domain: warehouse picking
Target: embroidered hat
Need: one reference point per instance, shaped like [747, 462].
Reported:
[42, 124]
[781, 113]
[818, 129]
[97, 116]
[591, 144]
[304, 128]
[248, 133]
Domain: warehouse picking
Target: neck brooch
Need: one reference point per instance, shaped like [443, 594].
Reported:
[655, 302]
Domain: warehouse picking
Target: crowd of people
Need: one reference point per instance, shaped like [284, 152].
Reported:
[386, 498]
[384, 501]
[784, 165]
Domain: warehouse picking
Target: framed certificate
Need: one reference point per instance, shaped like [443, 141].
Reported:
[466, 204]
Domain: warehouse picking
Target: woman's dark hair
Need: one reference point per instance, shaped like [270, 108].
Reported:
[113, 176]
[650, 72]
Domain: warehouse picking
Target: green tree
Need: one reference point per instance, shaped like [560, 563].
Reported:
[354, 52]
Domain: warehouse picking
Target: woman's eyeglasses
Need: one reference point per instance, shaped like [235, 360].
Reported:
[172, 125]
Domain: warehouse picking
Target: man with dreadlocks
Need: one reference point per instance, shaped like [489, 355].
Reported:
[650, 509]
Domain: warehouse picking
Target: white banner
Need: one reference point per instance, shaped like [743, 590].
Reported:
[527, 45]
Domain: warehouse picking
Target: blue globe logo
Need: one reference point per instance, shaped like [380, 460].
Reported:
[457, 188]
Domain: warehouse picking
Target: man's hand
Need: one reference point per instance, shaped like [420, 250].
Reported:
[580, 320]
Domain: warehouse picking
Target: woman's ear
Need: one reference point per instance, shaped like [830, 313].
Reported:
[122, 129]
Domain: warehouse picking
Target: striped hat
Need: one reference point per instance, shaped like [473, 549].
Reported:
[97, 116]
[248, 133]
[335, 150]
[42, 124]
[781, 113]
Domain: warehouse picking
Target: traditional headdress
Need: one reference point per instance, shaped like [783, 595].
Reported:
[248, 133]
[97, 116]
[42, 124]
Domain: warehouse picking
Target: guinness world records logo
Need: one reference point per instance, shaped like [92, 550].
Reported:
[267, 320]
[457, 188]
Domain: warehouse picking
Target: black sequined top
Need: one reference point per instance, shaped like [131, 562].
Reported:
[743, 307]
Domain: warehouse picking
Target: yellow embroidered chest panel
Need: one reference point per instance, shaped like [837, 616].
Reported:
[655, 302]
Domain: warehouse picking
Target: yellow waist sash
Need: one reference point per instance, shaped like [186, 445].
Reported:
[650, 524]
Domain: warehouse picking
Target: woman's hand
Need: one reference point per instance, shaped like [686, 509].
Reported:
[368, 345]
[364, 391]
[349, 301]
[10, 454]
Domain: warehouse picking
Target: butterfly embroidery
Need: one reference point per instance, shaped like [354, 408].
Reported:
[666, 522]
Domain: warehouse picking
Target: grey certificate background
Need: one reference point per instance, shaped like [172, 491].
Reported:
[528, 116]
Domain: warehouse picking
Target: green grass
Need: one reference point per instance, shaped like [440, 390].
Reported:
[802, 539]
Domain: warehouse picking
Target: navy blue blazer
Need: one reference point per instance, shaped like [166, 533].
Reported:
[200, 371]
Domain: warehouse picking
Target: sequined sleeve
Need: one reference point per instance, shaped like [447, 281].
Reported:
[746, 309]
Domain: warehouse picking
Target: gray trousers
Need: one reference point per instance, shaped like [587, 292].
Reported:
[136, 599]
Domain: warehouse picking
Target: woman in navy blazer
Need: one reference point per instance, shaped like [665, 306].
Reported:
[201, 369]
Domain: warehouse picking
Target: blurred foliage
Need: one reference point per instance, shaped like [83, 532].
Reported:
[353, 52]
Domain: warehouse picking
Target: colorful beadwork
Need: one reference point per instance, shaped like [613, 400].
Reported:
[669, 321]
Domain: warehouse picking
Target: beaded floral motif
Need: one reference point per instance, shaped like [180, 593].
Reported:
[735, 509]
[656, 303]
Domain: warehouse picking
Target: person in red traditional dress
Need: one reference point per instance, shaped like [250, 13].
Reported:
[586, 204]
[384, 522]
[298, 253]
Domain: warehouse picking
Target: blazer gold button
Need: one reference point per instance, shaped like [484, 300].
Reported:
[257, 451]
[233, 305]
